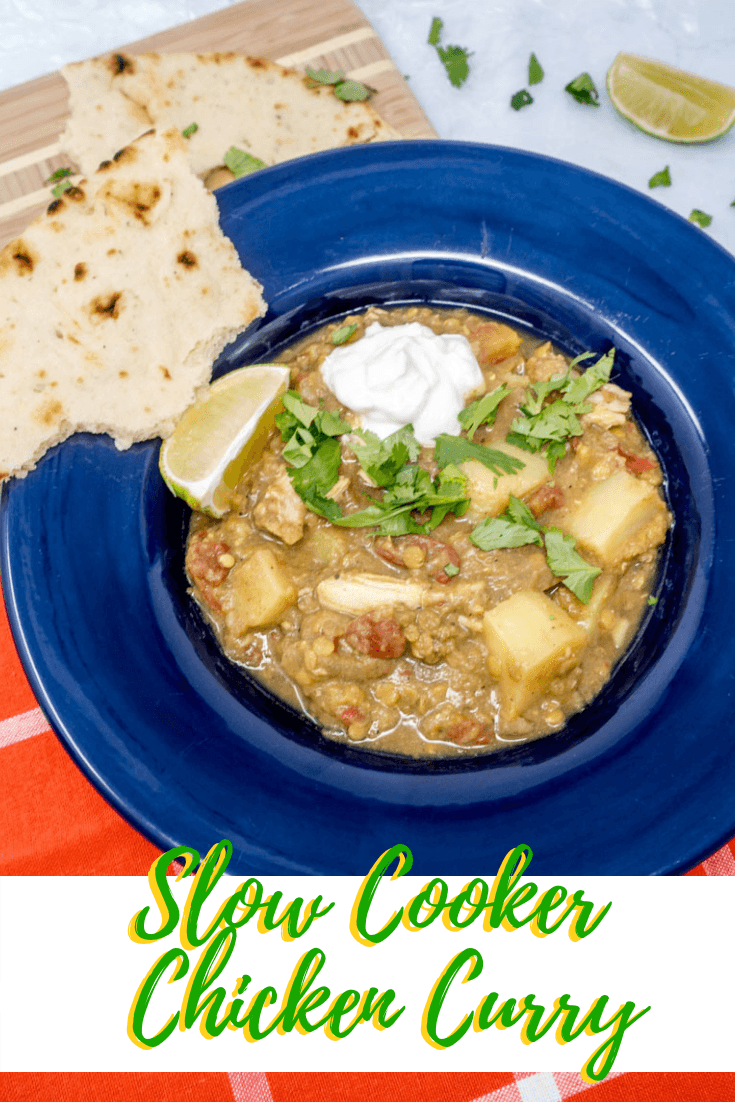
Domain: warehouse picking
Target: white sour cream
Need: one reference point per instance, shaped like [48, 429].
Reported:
[405, 374]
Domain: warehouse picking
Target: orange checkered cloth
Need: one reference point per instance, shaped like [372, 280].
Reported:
[54, 823]
[495, 1086]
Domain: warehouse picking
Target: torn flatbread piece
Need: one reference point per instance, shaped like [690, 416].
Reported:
[251, 103]
[115, 303]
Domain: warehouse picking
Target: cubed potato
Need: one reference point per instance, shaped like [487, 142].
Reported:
[618, 519]
[490, 493]
[530, 640]
[495, 342]
[261, 591]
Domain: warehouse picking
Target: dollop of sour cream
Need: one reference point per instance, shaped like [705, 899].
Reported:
[405, 374]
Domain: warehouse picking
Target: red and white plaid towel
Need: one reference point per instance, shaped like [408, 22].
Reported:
[496, 1086]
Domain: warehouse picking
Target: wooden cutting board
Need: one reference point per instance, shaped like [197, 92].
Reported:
[329, 33]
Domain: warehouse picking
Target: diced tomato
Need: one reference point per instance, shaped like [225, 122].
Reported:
[636, 464]
[350, 714]
[387, 551]
[467, 731]
[376, 638]
[546, 497]
[204, 567]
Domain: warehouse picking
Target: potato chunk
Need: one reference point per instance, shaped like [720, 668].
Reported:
[490, 494]
[261, 591]
[618, 519]
[530, 640]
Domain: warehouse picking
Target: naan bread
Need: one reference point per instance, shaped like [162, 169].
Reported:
[251, 103]
[115, 303]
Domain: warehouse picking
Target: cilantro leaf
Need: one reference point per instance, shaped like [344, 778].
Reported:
[497, 533]
[535, 72]
[455, 449]
[700, 218]
[384, 459]
[353, 91]
[567, 564]
[583, 89]
[325, 76]
[342, 335]
[514, 528]
[59, 174]
[455, 60]
[413, 492]
[483, 411]
[579, 390]
[59, 190]
[451, 570]
[542, 426]
[435, 33]
[521, 99]
[241, 163]
[321, 471]
[190, 129]
[661, 179]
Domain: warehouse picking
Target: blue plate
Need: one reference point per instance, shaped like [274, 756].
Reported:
[191, 751]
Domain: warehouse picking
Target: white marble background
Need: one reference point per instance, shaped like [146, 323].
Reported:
[567, 36]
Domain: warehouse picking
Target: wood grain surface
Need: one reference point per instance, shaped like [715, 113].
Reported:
[330, 33]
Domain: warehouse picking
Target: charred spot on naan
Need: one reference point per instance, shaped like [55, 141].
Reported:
[50, 412]
[120, 63]
[137, 197]
[187, 259]
[18, 258]
[106, 306]
[80, 271]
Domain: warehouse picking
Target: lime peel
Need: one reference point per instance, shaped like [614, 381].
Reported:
[221, 434]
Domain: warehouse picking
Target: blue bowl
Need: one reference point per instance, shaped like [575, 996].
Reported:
[191, 750]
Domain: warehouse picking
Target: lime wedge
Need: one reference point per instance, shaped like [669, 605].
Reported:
[669, 103]
[220, 435]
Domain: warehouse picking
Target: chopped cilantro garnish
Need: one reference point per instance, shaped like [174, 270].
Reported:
[325, 76]
[314, 456]
[190, 129]
[482, 411]
[241, 163]
[700, 218]
[348, 90]
[518, 527]
[451, 570]
[550, 426]
[353, 91]
[342, 335]
[583, 89]
[383, 459]
[535, 72]
[521, 99]
[435, 33]
[567, 564]
[58, 175]
[455, 449]
[455, 60]
[59, 190]
[661, 179]
[652, 601]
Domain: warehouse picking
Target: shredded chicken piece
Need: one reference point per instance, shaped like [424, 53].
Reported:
[611, 404]
[280, 510]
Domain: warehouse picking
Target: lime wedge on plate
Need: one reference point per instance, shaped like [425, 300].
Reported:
[220, 434]
[669, 103]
